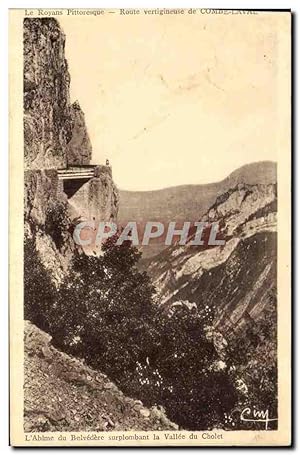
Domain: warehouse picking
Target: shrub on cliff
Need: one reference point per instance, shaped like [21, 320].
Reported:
[57, 222]
[105, 312]
[255, 355]
[194, 390]
[40, 293]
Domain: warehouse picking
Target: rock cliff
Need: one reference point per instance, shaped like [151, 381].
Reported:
[56, 137]
[55, 133]
[47, 110]
[98, 198]
[237, 279]
[79, 148]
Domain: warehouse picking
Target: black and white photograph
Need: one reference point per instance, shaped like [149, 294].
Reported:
[150, 227]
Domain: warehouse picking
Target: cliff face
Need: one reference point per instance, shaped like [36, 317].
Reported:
[45, 218]
[47, 116]
[55, 137]
[54, 130]
[97, 199]
[63, 394]
[79, 148]
[237, 279]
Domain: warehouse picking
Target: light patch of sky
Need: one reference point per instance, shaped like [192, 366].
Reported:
[175, 100]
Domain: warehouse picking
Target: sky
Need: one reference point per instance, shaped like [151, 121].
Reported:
[176, 100]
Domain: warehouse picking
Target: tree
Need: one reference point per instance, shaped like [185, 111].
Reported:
[105, 312]
[195, 393]
[57, 223]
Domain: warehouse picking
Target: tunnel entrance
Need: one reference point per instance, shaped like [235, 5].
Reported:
[75, 177]
[72, 186]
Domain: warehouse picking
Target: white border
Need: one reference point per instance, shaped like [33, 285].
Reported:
[232, 4]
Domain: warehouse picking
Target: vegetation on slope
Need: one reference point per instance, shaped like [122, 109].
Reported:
[63, 394]
[104, 314]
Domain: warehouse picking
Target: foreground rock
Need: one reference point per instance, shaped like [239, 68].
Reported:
[63, 394]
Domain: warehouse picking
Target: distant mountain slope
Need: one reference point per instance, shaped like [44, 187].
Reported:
[187, 202]
[62, 394]
[238, 279]
[235, 284]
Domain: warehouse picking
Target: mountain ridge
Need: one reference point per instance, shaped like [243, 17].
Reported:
[187, 202]
[271, 169]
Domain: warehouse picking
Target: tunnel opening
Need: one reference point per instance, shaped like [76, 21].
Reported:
[71, 187]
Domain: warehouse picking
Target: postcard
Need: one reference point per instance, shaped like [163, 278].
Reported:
[150, 227]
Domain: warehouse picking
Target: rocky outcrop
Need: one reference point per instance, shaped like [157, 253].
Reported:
[55, 136]
[79, 148]
[98, 199]
[46, 217]
[55, 133]
[237, 206]
[237, 280]
[40, 189]
[62, 394]
[47, 115]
